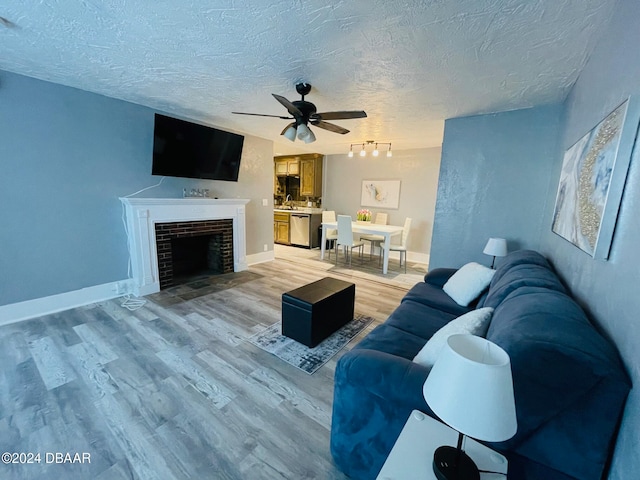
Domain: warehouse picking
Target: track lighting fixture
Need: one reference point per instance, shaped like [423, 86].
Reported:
[363, 151]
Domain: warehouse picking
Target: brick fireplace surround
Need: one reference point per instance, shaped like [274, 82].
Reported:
[166, 233]
[152, 222]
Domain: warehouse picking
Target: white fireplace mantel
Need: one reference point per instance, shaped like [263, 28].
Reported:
[143, 213]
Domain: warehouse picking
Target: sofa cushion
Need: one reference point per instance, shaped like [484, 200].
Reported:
[468, 283]
[432, 296]
[520, 257]
[394, 341]
[475, 322]
[521, 275]
[561, 367]
[418, 319]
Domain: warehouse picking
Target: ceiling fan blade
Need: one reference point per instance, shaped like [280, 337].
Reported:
[291, 108]
[329, 126]
[262, 115]
[340, 115]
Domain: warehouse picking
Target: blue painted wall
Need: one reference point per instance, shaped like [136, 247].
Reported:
[609, 290]
[497, 180]
[65, 157]
[494, 181]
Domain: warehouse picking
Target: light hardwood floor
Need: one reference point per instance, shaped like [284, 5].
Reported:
[173, 390]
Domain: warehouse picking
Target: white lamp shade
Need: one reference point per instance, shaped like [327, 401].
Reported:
[496, 247]
[470, 388]
[290, 133]
[303, 131]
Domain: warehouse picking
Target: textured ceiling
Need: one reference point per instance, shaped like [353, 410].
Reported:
[409, 64]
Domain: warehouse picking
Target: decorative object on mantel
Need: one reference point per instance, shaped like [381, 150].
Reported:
[594, 171]
[363, 152]
[195, 192]
[300, 356]
[496, 247]
[363, 215]
[470, 388]
[380, 193]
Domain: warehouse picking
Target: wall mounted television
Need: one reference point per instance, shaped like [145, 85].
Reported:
[185, 149]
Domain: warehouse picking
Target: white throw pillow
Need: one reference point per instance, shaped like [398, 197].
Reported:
[468, 282]
[475, 322]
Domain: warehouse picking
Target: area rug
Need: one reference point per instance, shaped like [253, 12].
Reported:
[300, 356]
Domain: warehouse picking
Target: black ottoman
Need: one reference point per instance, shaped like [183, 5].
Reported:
[313, 312]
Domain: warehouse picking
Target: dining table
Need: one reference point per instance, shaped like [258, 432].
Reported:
[386, 231]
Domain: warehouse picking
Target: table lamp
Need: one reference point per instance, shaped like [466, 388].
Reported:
[470, 389]
[497, 247]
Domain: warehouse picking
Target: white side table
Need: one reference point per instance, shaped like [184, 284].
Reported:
[412, 455]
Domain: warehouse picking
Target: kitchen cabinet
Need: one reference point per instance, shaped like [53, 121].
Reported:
[307, 166]
[287, 165]
[281, 228]
[311, 175]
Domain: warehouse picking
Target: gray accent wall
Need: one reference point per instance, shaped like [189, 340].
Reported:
[494, 181]
[608, 290]
[66, 156]
[417, 171]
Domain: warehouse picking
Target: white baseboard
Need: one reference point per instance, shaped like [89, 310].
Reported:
[38, 307]
[416, 257]
[16, 312]
[260, 257]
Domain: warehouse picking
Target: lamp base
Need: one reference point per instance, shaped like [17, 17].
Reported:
[449, 463]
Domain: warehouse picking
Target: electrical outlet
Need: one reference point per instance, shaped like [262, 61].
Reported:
[265, 247]
[265, 202]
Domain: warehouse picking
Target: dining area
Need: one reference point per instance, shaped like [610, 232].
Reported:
[342, 235]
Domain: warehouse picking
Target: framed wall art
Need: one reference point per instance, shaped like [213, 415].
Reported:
[380, 193]
[594, 171]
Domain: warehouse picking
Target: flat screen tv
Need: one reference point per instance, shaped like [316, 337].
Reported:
[185, 149]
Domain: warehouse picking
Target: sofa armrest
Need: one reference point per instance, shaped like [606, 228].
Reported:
[439, 276]
[389, 377]
[374, 395]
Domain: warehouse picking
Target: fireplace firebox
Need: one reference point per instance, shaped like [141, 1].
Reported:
[186, 249]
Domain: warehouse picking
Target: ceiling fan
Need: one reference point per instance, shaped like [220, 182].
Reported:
[304, 113]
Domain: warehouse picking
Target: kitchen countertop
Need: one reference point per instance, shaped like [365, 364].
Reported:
[299, 210]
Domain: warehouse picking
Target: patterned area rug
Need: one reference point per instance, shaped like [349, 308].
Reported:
[300, 356]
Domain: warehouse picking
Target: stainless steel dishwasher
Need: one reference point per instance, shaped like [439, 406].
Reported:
[299, 229]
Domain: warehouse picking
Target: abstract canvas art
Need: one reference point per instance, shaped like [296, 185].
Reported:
[380, 193]
[594, 172]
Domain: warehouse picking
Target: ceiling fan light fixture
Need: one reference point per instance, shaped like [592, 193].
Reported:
[310, 138]
[303, 131]
[290, 133]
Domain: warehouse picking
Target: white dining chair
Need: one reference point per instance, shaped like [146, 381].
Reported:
[402, 248]
[345, 238]
[379, 219]
[332, 233]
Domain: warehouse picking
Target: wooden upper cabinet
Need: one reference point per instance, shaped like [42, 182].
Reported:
[281, 167]
[311, 177]
[307, 166]
[293, 167]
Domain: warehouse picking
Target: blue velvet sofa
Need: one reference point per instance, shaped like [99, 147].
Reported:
[569, 384]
